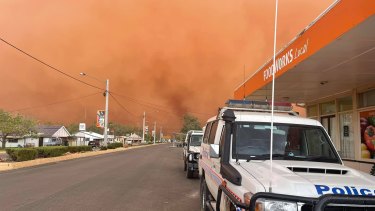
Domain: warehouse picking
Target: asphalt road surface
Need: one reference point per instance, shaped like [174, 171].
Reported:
[149, 178]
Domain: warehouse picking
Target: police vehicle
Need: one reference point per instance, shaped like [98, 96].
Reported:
[191, 152]
[302, 170]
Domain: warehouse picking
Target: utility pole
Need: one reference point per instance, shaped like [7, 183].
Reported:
[154, 131]
[143, 127]
[106, 114]
[161, 133]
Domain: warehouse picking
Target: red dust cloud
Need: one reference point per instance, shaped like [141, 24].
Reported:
[164, 57]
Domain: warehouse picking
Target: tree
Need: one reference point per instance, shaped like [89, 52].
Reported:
[95, 129]
[73, 128]
[122, 130]
[15, 125]
[190, 123]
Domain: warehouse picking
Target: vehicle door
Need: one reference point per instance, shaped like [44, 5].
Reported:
[186, 145]
[204, 149]
[213, 178]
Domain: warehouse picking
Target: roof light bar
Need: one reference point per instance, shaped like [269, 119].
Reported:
[280, 106]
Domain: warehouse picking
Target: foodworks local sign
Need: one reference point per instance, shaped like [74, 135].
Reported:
[285, 59]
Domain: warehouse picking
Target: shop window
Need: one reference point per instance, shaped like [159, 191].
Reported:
[346, 136]
[367, 99]
[345, 104]
[327, 108]
[367, 125]
[312, 110]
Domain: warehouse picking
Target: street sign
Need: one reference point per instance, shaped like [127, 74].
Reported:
[82, 126]
[100, 118]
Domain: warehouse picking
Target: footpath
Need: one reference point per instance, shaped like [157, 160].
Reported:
[6, 166]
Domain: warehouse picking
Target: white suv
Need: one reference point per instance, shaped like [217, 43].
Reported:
[305, 172]
[191, 152]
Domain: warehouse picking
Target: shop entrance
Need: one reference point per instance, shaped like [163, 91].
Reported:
[329, 123]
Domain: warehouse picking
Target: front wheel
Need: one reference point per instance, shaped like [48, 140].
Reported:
[189, 173]
[204, 195]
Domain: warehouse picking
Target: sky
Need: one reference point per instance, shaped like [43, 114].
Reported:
[166, 58]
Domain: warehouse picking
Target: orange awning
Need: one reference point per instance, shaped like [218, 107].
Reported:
[334, 54]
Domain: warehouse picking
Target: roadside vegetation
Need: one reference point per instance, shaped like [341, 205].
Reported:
[23, 154]
[15, 125]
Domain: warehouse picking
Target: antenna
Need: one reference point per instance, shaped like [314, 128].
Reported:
[244, 83]
[273, 95]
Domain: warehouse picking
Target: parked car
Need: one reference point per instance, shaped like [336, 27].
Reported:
[94, 143]
[305, 172]
[191, 152]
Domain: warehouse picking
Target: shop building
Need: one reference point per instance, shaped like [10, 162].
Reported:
[329, 69]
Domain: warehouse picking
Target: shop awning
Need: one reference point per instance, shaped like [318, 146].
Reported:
[334, 54]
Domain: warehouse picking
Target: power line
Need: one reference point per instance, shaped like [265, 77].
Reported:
[54, 103]
[50, 66]
[155, 106]
[145, 103]
[118, 102]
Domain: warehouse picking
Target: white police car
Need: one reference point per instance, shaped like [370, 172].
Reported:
[191, 152]
[305, 172]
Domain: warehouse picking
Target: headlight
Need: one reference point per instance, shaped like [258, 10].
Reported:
[196, 155]
[190, 157]
[272, 205]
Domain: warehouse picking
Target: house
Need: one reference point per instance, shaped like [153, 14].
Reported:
[18, 141]
[50, 135]
[82, 138]
[47, 135]
[132, 139]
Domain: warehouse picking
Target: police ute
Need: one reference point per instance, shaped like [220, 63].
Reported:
[191, 152]
[302, 171]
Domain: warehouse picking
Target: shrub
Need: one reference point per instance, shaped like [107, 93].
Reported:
[75, 149]
[53, 151]
[22, 154]
[103, 148]
[114, 145]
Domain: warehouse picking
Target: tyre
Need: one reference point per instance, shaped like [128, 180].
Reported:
[204, 195]
[189, 173]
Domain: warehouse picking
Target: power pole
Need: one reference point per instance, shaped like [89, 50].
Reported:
[161, 133]
[106, 114]
[143, 127]
[154, 131]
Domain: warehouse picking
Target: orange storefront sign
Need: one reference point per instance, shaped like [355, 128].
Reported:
[342, 17]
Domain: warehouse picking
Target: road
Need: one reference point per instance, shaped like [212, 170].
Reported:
[149, 178]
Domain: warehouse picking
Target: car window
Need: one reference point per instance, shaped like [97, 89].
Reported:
[292, 142]
[207, 132]
[211, 139]
[196, 140]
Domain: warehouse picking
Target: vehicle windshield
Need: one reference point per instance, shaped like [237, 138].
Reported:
[290, 142]
[196, 140]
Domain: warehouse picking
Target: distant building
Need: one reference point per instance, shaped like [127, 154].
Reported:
[51, 135]
[82, 138]
[129, 139]
[47, 135]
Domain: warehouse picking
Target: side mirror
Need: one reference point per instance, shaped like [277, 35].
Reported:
[214, 151]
